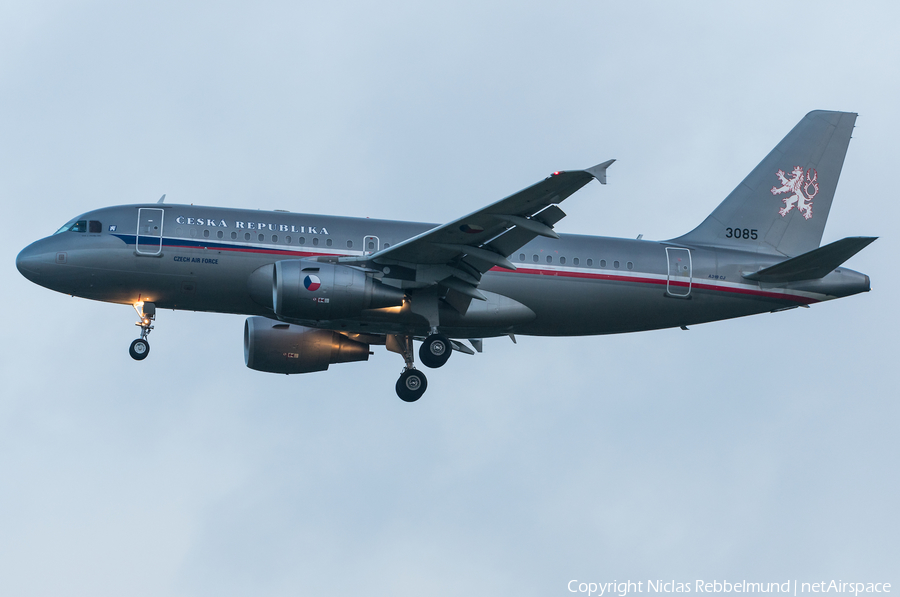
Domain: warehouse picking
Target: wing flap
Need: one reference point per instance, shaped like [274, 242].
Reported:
[513, 239]
[551, 215]
[463, 288]
[539, 228]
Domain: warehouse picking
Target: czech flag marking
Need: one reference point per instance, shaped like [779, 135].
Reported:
[312, 283]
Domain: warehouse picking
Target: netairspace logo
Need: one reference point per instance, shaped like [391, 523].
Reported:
[622, 589]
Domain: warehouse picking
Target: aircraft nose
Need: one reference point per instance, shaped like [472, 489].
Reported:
[28, 262]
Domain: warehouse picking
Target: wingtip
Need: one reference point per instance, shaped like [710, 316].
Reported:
[599, 171]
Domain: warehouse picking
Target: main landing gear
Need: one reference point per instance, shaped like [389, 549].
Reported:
[140, 348]
[412, 382]
[434, 353]
[411, 385]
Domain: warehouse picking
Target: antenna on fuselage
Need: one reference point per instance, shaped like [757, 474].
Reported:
[161, 199]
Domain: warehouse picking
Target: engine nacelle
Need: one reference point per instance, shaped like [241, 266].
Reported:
[276, 347]
[308, 289]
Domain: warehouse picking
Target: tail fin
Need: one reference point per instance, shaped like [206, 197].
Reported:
[782, 205]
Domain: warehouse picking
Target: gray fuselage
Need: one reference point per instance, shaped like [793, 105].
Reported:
[214, 259]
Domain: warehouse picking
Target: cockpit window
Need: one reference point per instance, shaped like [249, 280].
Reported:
[94, 227]
[79, 226]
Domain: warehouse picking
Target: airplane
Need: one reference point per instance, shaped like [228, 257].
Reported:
[321, 290]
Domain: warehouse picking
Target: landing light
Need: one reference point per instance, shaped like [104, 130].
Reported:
[139, 307]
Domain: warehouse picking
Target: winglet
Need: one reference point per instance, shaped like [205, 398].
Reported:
[161, 199]
[599, 171]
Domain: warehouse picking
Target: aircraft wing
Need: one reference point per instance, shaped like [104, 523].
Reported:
[483, 239]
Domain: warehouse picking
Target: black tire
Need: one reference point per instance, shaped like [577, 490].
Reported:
[435, 351]
[411, 385]
[139, 349]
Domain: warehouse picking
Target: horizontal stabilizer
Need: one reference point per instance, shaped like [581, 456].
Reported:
[815, 264]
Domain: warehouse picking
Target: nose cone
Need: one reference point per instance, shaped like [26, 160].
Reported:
[28, 262]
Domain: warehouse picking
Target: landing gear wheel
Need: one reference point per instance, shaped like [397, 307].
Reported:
[139, 350]
[411, 385]
[435, 351]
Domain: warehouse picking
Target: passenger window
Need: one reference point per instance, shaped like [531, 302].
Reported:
[261, 237]
[274, 238]
[562, 260]
[535, 258]
[287, 240]
[302, 240]
[179, 232]
[549, 258]
[316, 242]
[575, 261]
[206, 234]
[79, 226]
[629, 265]
[220, 234]
[246, 236]
[329, 242]
[386, 245]
[233, 235]
[521, 256]
[616, 264]
[590, 262]
[603, 263]
[94, 227]
[371, 245]
[349, 244]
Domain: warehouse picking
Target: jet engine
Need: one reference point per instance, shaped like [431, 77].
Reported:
[276, 347]
[308, 289]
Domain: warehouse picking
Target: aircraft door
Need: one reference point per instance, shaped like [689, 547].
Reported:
[370, 245]
[148, 240]
[679, 279]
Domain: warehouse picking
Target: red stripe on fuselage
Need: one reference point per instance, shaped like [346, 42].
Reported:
[543, 272]
[642, 280]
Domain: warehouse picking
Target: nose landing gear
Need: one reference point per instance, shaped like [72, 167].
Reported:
[140, 348]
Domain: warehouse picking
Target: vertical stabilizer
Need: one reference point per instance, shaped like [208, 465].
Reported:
[782, 205]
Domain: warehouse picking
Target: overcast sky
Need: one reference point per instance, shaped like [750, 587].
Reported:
[763, 448]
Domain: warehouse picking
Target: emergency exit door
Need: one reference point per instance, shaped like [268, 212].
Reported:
[679, 279]
[149, 231]
[370, 245]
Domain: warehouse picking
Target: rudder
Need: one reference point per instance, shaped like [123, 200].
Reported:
[783, 204]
